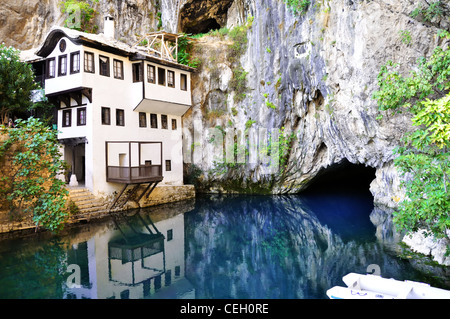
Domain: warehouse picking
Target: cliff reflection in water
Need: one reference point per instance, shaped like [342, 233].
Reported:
[277, 247]
[219, 247]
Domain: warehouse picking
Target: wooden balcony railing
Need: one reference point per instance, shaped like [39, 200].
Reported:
[135, 174]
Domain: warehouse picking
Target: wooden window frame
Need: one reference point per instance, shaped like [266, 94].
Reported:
[106, 120]
[185, 87]
[116, 70]
[72, 62]
[48, 74]
[137, 77]
[101, 64]
[168, 166]
[170, 79]
[153, 120]
[149, 79]
[79, 111]
[164, 122]
[174, 124]
[142, 116]
[64, 112]
[86, 65]
[118, 122]
[62, 71]
[161, 76]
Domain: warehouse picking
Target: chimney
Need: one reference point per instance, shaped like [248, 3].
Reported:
[109, 27]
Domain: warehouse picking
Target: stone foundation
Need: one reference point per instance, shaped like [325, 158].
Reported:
[162, 194]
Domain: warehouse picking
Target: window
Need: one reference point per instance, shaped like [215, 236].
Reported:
[153, 121]
[106, 116]
[118, 69]
[164, 122]
[183, 82]
[161, 76]
[174, 124]
[62, 45]
[169, 234]
[67, 118]
[74, 62]
[51, 64]
[81, 116]
[137, 72]
[120, 117]
[171, 79]
[142, 119]
[62, 65]
[168, 165]
[89, 65]
[151, 73]
[104, 65]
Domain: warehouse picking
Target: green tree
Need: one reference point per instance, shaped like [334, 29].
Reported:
[16, 83]
[424, 154]
[30, 165]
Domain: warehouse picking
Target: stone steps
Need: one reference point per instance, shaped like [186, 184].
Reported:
[86, 201]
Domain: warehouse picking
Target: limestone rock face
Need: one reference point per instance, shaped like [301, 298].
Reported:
[313, 75]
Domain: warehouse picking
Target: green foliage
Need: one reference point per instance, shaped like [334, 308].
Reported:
[16, 83]
[271, 105]
[239, 37]
[184, 52]
[433, 10]
[298, 6]
[424, 156]
[249, 123]
[430, 80]
[80, 15]
[238, 83]
[29, 184]
[405, 36]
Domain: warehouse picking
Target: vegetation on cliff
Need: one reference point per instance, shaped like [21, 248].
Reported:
[423, 158]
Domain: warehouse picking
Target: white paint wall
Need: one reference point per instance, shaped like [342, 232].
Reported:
[118, 94]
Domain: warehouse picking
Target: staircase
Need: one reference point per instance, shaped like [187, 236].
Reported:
[86, 201]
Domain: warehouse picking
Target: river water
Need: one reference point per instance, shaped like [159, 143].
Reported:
[214, 247]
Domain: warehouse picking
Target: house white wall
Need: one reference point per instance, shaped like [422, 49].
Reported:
[126, 95]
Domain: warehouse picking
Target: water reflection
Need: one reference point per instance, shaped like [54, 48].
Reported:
[277, 247]
[135, 254]
[221, 247]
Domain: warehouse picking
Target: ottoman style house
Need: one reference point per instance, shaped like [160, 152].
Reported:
[119, 107]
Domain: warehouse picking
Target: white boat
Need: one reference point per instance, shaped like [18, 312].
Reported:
[375, 287]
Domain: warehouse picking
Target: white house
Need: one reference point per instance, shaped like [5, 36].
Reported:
[119, 107]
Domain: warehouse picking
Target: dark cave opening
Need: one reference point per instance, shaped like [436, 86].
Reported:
[202, 27]
[342, 177]
[340, 198]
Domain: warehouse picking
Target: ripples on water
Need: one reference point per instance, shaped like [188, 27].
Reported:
[218, 247]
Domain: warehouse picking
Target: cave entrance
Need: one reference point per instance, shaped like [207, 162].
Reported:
[340, 198]
[202, 27]
[198, 16]
[342, 177]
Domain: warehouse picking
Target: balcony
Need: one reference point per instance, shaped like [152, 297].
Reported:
[129, 162]
[134, 175]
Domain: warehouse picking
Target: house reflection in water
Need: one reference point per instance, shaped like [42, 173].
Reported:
[135, 258]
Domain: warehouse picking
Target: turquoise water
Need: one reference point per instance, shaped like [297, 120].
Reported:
[214, 247]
